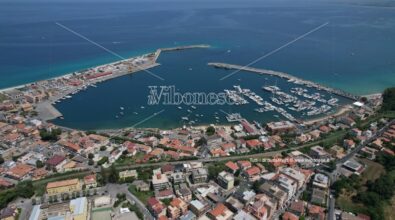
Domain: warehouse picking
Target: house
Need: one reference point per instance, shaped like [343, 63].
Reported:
[294, 174]
[20, 171]
[228, 147]
[252, 173]
[243, 215]
[253, 144]
[321, 181]
[141, 185]
[156, 207]
[318, 152]
[318, 197]
[258, 210]
[177, 208]
[199, 175]
[280, 127]
[287, 184]
[274, 191]
[289, 216]
[198, 207]
[348, 143]
[244, 164]
[90, 181]
[297, 208]
[56, 162]
[127, 174]
[220, 212]
[160, 181]
[316, 212]
[8, 213]
[232, 167]
[226, 180]
[336, 151]
[64, 186]
[351, 167]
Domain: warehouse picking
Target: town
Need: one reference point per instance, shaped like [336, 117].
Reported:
[276, 170]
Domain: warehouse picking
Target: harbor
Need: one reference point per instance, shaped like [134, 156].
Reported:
[82, 80]
[287, 76]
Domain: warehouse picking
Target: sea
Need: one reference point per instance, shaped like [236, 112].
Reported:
[354, 51]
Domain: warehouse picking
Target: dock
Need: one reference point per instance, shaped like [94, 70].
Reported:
[287, 76]
[47, 111]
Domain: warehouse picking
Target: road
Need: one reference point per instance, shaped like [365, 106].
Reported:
[334, 174]
[213, 159]
[113, 189]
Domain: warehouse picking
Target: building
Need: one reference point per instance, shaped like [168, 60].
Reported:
[102, 201]
[318, 197]
[198, 208]
[294, 174]
[220, 212]
[79, 208]
[318, 152]
[337, 152]
[321, 181]
[156, 207]
[232, 167]
[64, 186]
[280, 127]
[177, 208]
[141, 185]
[226, 180]
[20, 171]
[252, 173]
[288, 185]
[56, 162]
[160, 181]
[352, 167]
[8, 213]
[76, 209]
[199, 175]
[128, 174]
[243, 215]
[90, 181]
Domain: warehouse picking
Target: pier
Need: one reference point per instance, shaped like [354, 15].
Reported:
[290, 78]
[197, 46]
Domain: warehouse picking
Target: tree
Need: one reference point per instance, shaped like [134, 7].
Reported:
[210, 130]
[91, 162]
[91, 156]
[103, 148]
[1, 160]
[388, 100]
[52, 135]
[39, 164]
[113, 175]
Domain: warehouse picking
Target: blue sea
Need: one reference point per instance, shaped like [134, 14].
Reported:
[354, 52]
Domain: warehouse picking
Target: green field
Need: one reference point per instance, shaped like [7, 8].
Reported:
[142, 196]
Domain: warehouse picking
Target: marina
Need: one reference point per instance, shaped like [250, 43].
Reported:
[286, 76]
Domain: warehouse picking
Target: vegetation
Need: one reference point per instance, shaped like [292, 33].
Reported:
[215, 169]
[388, 100]
[142, 196]
[24, 189]
[121, 197]
[52, 135]
[133, 208]
[210, 130]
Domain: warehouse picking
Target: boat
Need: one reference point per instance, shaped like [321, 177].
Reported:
[122, 108]
[179, 107]
[185, 118]
[193, 107]
[142, 107]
